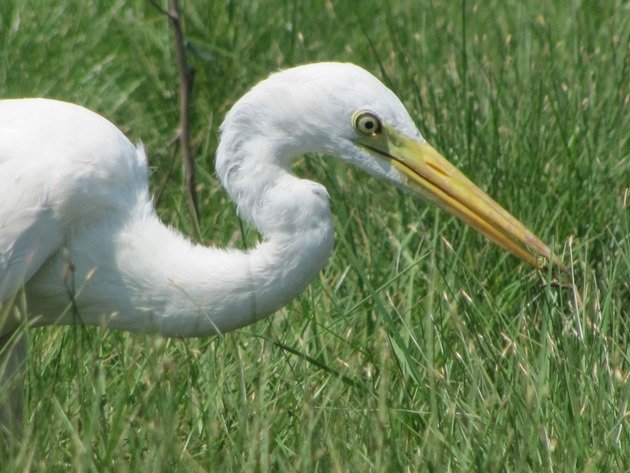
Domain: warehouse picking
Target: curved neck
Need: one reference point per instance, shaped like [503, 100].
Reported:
[189, 290]
[293, 216]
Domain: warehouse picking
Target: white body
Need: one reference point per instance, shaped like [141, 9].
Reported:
[76, 219]
[78, 228]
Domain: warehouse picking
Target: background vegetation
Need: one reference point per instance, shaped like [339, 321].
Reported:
[421, 346]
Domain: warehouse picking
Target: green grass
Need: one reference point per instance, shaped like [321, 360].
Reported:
[421, 346]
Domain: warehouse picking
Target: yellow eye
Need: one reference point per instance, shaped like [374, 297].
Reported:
[367, 123]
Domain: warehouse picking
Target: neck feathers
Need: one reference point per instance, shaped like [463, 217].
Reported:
[195, 291]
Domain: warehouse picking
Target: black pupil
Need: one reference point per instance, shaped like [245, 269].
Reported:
[369, 124]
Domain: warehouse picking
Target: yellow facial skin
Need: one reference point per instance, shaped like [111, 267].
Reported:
[432, 176]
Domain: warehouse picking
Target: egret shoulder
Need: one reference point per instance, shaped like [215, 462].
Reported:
[59, 155]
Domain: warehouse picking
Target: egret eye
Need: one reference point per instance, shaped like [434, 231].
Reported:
[367, 123]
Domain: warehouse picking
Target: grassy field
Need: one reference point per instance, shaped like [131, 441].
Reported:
[421, 346]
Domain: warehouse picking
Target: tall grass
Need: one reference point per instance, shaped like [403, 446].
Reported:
[421, 346]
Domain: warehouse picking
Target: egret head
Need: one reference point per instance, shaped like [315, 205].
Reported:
[342, 110]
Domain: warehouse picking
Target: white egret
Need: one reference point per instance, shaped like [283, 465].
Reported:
[79, 232]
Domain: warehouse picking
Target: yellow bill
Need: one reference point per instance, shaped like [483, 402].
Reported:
[432, 176]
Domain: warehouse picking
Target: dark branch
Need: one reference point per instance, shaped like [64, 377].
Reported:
[186, 80]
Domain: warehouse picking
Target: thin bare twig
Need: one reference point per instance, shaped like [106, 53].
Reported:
[186, 80]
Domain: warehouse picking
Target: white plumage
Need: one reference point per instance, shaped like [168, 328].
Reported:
[79, 215]
[79, 231]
